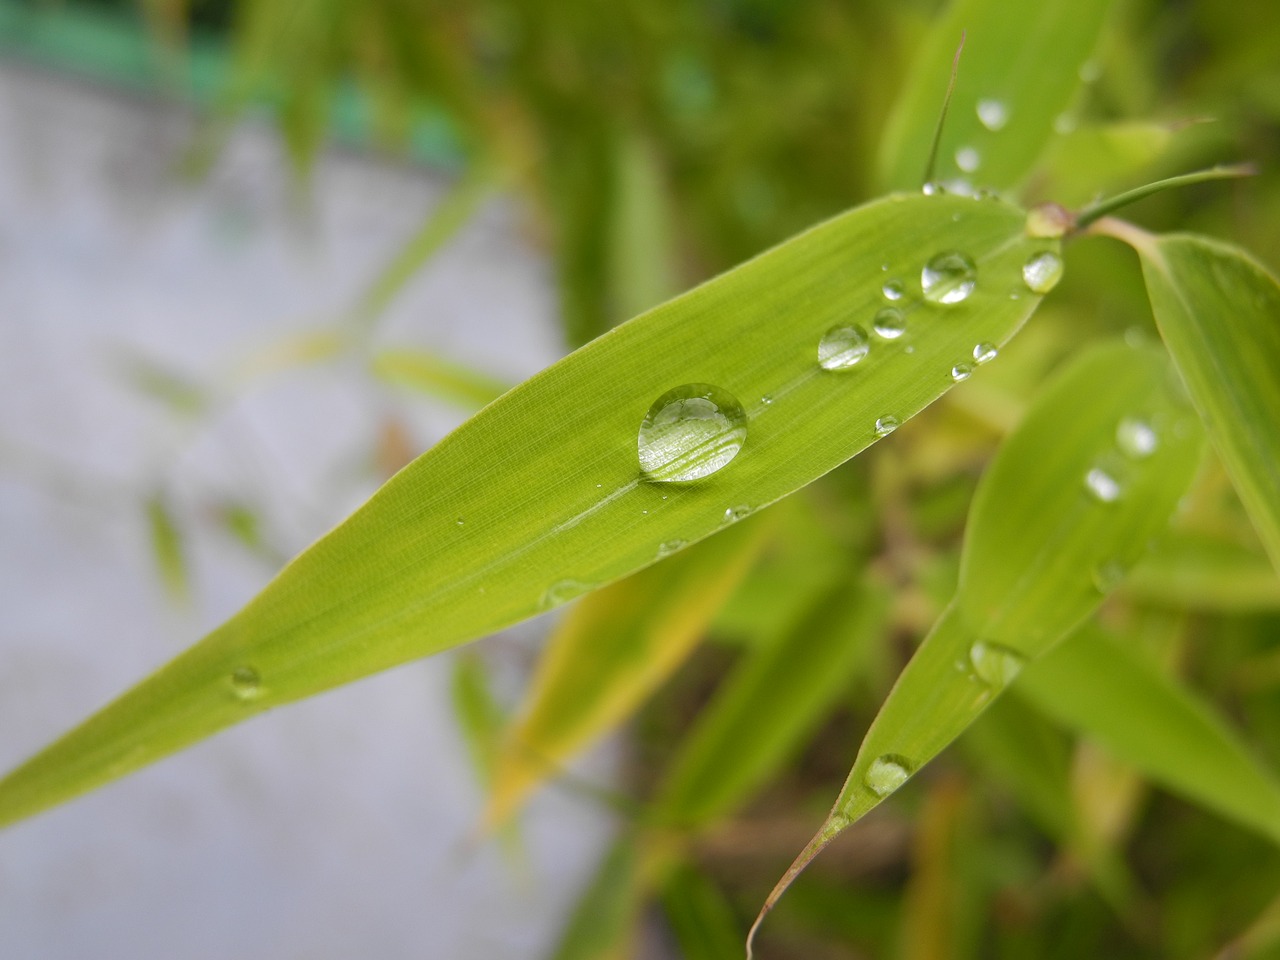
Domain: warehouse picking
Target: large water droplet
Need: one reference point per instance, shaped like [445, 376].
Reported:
[1042, 272]
[968, 159]
[948, 278]
[1136, 438]
[246, 684]
[691, 432]
[886, 426]
[843, 346]
[889, 323]
[992, 113]
[961, 371]
[1103, 486]
[893, 289]
[984, 353]
[994, 665]
[886, 774]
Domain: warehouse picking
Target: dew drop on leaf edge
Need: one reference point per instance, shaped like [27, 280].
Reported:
[886, 774]
[961, 371]
[843, 346]
[690, 432]
[948, 278]
[886, 425]
[1042, 272]
[984, 353]
[994, 665]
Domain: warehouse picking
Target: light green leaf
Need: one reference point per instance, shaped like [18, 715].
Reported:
[1044, 536]
[602, 925]
[1097, 686]
[611, 652]
[1202, 573]
[1219, 313]
[480, 717]
[1020, 68]
[166, 546]
[427, 373]
[770, 704]
[540, 497]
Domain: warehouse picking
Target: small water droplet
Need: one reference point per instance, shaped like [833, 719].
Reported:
[909, 348]
[968, 159]
[1090, 71]
[691, 432]
[734, 514]
[893, 289]
[992, 113]
[1064, 123]
[994, 665]
[842, 346]
[460, 521]
[984, 353]
[1103, 486]
[1042, 272]
[932, 189]
[1107, 576]
[948, 278]
[889, 324]
[886, 774]
[670, 547]
[766, 399]
[886, 426]
[562, 591]
[961, 371]
[1136, 438]
[246, 684]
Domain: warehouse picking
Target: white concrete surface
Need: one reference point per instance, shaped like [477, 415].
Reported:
[331, 829]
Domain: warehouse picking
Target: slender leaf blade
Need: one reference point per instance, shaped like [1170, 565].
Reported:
[1218, 310]
[539, 496]
[1024, 60]
[1096, 685]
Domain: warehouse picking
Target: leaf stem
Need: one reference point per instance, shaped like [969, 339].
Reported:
[1104, 207]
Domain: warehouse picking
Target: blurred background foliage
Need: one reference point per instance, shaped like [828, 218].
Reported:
[652, 144]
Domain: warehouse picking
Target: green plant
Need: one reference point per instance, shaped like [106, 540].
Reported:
[602, 475]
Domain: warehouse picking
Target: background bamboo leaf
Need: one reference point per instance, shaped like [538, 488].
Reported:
[1097, 686]
[1204, 573]
[167, 547]
[611, 652]
[602, 926]
[1019, 70]
[1219, 313]
[426, 373]
[1039, 534]
[538, 497]
[769, 704]
[700, 916]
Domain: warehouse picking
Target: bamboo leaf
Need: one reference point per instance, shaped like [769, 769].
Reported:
[1219, 313]
[602, 925]
[611, 652]
[1099, 687]
[1019, 71]
[540, 496]
[167, 547]
[701, 916]
[1045, 535]
[426, 373]
[1202, 573]
[769, 705]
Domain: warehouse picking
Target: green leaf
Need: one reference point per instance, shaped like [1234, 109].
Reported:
[539, 496]
[602, 925]
[701, 917]
[1202, 573]
[426, 373]
[1219, 313]
[611, 652]
[1037, 560]
[166, 545]
[770, 704]
[480, 717]
[1097, 686]
[1026, 59]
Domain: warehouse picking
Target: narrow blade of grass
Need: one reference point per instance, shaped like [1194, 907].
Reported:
[1044, 537]
[1093, 684]
[540, 496]
[1020, 70]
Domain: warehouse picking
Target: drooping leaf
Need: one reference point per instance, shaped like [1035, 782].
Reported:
[1097, 686]
[1067, 500]
[769, 704]
[540, 496]
[611, 652]
[1218, 310]
[1019, 70]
